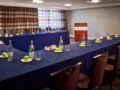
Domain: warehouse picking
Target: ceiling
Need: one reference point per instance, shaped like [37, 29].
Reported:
[59, 4]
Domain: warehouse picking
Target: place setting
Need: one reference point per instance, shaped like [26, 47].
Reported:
[53, 48]
[7, 56]
[50, 48]
[4, 55]
[109, 37]
[28, 58]
[98, 41]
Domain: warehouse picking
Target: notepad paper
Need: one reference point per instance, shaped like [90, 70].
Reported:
[1, 42]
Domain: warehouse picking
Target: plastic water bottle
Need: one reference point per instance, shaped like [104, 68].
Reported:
[31, 50]
[10, 51]
[61, 43]
[6, 35]
[83, 37]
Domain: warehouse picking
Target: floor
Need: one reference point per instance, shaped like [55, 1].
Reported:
[115, 85]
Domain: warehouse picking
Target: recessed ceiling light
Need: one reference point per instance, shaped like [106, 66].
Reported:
[37, 1]
[94, 1]
[68, 5]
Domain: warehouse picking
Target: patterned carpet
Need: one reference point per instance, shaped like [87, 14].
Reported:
[115, 85]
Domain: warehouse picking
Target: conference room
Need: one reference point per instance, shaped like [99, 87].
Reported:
[59, 45]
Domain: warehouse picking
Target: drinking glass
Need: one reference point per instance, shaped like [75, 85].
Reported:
[88, 43]
[37, 56]
[67, 47]
[10, 58]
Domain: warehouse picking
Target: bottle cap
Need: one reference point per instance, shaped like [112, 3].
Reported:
[61, 37]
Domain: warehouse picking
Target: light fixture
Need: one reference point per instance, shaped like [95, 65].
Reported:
[94, 1]
[68, 5]
[37, 1]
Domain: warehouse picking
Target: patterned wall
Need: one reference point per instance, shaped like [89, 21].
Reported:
[16, 19]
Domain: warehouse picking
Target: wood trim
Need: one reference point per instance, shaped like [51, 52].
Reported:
[81, 25]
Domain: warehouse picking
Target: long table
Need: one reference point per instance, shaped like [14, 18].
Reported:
[51, 61]
[22, 42]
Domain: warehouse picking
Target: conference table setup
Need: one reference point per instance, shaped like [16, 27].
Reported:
[33, 75]
[40, 39]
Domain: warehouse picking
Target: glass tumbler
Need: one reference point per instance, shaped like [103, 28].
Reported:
[67, 48]
[37, 56]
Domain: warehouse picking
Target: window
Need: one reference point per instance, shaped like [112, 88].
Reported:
[50, 18]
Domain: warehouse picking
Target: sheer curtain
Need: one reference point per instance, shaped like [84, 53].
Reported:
[50, 18]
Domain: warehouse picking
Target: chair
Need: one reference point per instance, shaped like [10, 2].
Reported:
[96, 73]
[98, 68]
[115, 59]
[66, 79]
[111, 69]
[114, 67]
[118, 59]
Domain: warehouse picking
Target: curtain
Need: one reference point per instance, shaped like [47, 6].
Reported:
[16, 19]
[51, 19]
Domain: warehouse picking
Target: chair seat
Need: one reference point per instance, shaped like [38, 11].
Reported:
[46, 88]
[109, 67]
[112, 57]
[83, 81]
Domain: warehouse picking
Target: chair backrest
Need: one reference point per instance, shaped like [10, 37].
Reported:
[117, 66]
[98, 68]
[66, 79]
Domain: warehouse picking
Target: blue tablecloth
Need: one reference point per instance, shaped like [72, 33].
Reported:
[41, 39]
[51, 62]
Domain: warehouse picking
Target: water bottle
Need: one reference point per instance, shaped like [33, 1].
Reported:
[21, 32]
[31, 50]
[61, 43]
[83, 37]
[10, 51]
[6, 35]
